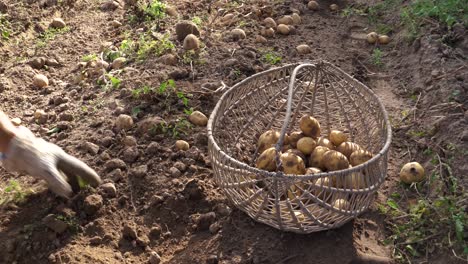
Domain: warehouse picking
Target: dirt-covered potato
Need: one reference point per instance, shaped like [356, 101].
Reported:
[292, 164]
[267, 160]
[198, 118]
[306, 145]
[298, 153]
[384, 39]
[372, 37]
[312, 171]
[333, 160]
[316, 157]
[347, 148]
[283, 29]
[267, 140]
[182, 145]
[354, 180]
[341, 204]
[337, 137]
[359, 156]
[309, 126]
[321, 183]
[412, 172]
[324, 142]
[294, 138]
[313, 5]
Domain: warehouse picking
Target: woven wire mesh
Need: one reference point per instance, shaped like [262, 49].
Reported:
[298, 203]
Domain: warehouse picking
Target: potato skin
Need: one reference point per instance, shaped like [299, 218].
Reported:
[346, 148]
[412, 172]
[359, 156]
[309, 126]
[316, 157]
[267, 160]
[292, 164]
[324, 142]
[313, 170]
[321, 182]
[298, 153]
[354, 180]
[306, 145]
[337, 137]
[294, 137]
[334, 160]
[341, 204]
[267, 140]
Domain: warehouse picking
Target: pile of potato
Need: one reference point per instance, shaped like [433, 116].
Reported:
[305, 152]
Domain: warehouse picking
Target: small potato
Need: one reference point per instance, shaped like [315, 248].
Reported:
[294, 138]
[346, 148]
[198, 118]
[372, 38]
[321, 183]
[334, 7]
[182, 145]
[313, 170]
[269, 22]
[384, 39]
[313, 5]
[324, 142]
[354, 180]
[309, 126]
[341, 204]
[333, 160]
[316, 157]
[267, 160]
[298, 153]
[337, 137]
[292, 164]
[267, 140]
[412, 172]
[40, 81]
[359, 156]
[283, 29]
[306, 145]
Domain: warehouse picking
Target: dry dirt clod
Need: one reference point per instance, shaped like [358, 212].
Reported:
[148, 124]
[129, 141]
[214, 228]
[238, 34]
[286, 20]
[124, 122]
[260, 39]
[110, 5]
[191, 42]
[283, 29]
[116, 23]
[57, 225]
[40, 81]
[118, 63]
[115, 164]
[130, 155]
[52, 62]
[269, 22]
[57, 23]
[180, 166]
[109, 189]
[41, 116]
[303, 49]
[154, 258]
[175, 173]
[38, 62]
[205, 220]
[313, 5]
[198, 118]
[92, 204]
[182, 145]
[129, 231]
[185, 28]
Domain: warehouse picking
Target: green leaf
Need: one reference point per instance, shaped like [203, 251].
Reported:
[459, 226]
[392, 204]
[412, 250]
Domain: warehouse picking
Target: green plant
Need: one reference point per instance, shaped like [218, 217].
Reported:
[90, 57]
[271, 57]
[197, 20]
[175, 129]
[71, 221]
[13, 193]
[158, 47]
[49, 35]
[377, 57]
[5, 27]
[154, 10]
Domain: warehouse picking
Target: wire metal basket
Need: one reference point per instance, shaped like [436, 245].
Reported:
[276, 99]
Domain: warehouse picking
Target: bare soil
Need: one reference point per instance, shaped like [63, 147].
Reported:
[158, 211]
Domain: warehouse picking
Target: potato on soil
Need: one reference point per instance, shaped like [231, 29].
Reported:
[334, 7]
[191, 42]
[309, 126]
[198, 118]
[182, 145]
[347, 148]
[267, 139]
[267, 160]
[316, 157]
[324, 142]
[412, 172]
[269, 22]
[359, 156]
[292, 164]
[40, 81]
[306, 145]
[294, 138]
[333, 160]
[337, 137]
[372, 38]
[283, 29]
[384, 39]
[341, 204]
[313, 5]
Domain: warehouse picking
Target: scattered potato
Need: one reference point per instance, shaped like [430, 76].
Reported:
[412, 172]
[269, 22]
[268, 32]
[334, 7]
[384, 39]
[337, 137]
[57, 23]
[294, 138]
[346, 148]
[324, 142]
[303, 49]
[333, 160]
[267, 160]
[306, 145]
[313, 5]
[198, 118]
[267, 140]
[40, 81]
[316, 157]
[182, 145]
[359, 156]
[238, 34]
[287, 20]
[191, 42]
[283, 29]
[292, 164]
[124, 122]
[372, 38]
[296, 19]
[341, 204]
[260, 39]
[118, 63]
[309, 126]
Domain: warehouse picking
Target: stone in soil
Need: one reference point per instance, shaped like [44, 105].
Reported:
[109, 190]
[129, 231]
[114, 164]
[92, 204]
[205, 220]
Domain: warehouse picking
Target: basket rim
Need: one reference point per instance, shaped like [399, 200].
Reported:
[280, 174]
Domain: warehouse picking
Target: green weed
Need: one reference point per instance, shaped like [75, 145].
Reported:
[5, 27]
[13, 193]
[377, 57]
[71, 221]
[158, 47]
[271, 57]
[90, 57]
[197, 20]
[49, 35]
[175, 129]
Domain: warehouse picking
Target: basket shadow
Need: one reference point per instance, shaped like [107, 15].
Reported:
[242, 240]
